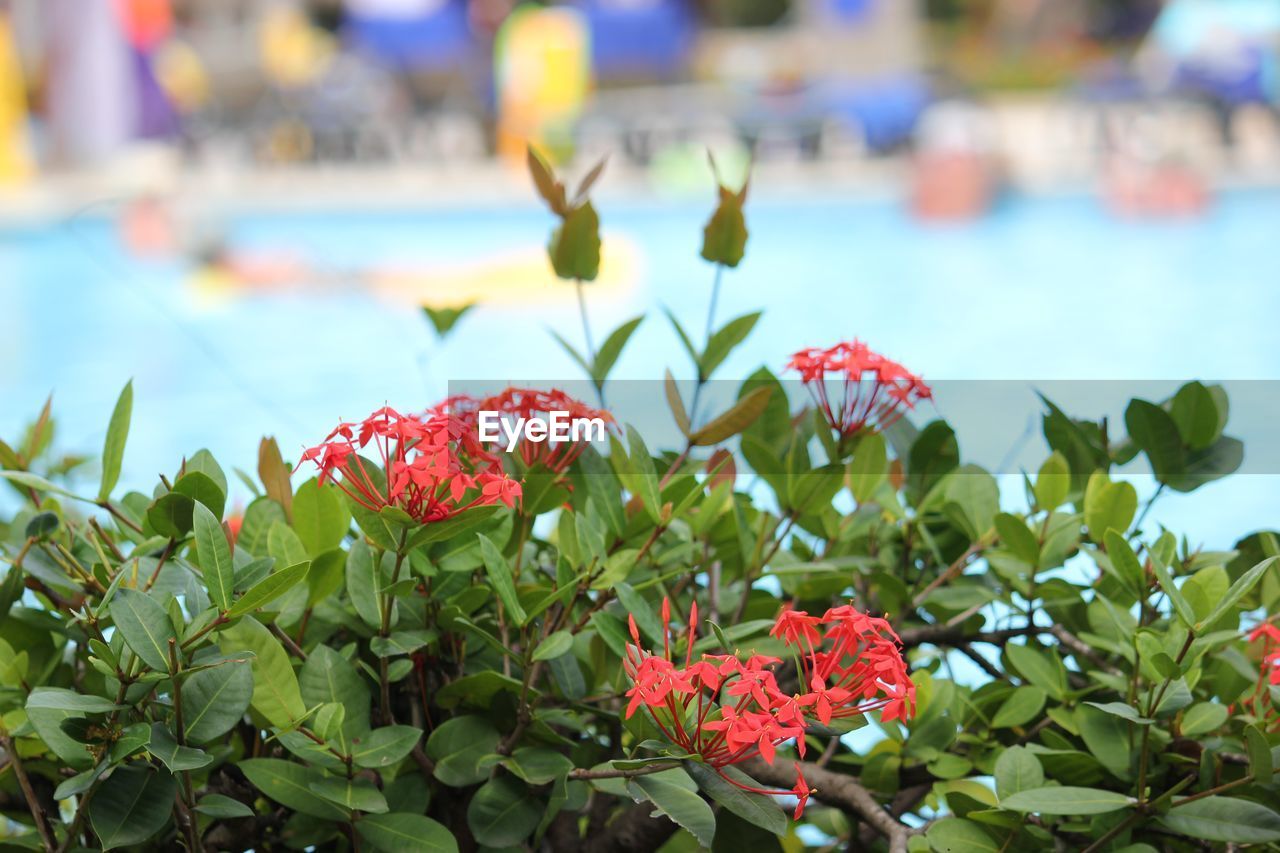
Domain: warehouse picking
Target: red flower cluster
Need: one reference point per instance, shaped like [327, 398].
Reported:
[727, 710]
[529, 404]
[431, 467]
[1259, 701]
[876, 391]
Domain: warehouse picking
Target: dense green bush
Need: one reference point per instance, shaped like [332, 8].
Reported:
[449, 648]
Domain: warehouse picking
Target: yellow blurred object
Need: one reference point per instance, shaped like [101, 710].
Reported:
[15, 146]
[543, 73]
[517, 278]
[182, 75]
[294, 53]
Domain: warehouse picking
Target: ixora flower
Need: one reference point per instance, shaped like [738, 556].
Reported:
[727, 710]
[548, 428]
[1259, 702]
[874, 391]
[430, 467]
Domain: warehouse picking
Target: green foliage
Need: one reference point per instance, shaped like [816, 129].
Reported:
[331, 676]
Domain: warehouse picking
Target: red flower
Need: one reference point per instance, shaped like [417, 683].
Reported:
[531, 404]
[875, 391]
[802, 792]
[793, 626]
[726, 710]
[432, 468]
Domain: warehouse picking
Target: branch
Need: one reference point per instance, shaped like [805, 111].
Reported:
[940, 634]
[634, 831]
[28, 793]
[835, 789]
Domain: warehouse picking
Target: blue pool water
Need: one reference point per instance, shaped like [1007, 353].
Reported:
[1043, 289]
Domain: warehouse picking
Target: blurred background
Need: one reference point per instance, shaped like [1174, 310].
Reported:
[245, 204]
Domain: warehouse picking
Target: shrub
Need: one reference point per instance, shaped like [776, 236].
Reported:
[430, 644]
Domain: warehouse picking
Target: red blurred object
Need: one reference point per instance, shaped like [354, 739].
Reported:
[146, 23]
[952, 186]
[1137, 190]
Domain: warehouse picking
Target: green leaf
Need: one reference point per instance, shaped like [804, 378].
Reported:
[740, 416]
[1153, 429]
[385, 746]
[354, 794]
[39, 484]
[1123, 711]
[1053, 482]
[724, 239]
[145, 626]
[1040, 668]
[538, 765]
[131, 806]
[457, 745]
[202, 488]
[680, 804]
[113, 447]
[1022, 706]
[1224, 819]
[503, 813]
[1203, 717]
[320, 517]
[61, 699]
[215, 699]
[869, 467]
[176, 757]
[499, 572]
[1108, 505]
[1066, 800]
[612, 347]
[754, 808]
[364, 580]
[1242, 587]
[269, 588]
[329, 677]
[1259, 751]
[1196, 415]
[171, 515]
[1179, 602]
[1017, 769]
[1108, 738]
[289, 784]
[554, 646]
[956, 835]
[575, 245]
[401, 832]
[444, 318]
[1018, 538]
[222, 806]
[723, 342]
[1125, 562]
[214, 553]
[275, 686]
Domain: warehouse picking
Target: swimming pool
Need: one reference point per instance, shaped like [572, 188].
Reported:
[1045, 288]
